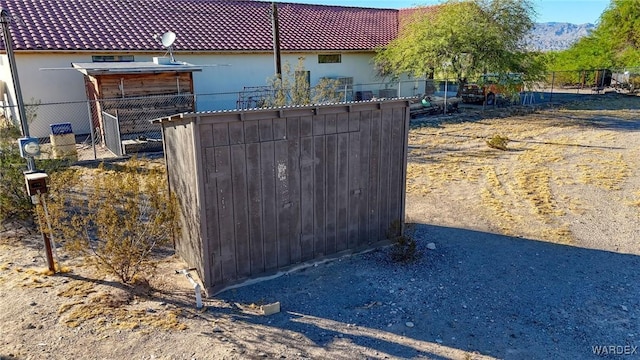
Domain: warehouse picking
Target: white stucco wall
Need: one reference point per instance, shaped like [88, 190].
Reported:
[216, 86]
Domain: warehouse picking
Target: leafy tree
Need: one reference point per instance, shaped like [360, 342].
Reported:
[293, 88]
[614, 43]
[464, 38]
[619, 32]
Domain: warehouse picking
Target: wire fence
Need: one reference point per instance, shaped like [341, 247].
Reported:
[111, 128]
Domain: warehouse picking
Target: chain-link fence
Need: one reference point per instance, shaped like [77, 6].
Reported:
[115, 127]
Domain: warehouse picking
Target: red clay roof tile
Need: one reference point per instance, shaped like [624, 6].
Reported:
[200, 25]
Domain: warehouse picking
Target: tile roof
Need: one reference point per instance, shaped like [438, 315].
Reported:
[200, 25]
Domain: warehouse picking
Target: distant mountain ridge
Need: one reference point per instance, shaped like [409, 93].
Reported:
[557, 35]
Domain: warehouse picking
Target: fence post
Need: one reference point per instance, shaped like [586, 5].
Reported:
[93, 138]
[553, 79]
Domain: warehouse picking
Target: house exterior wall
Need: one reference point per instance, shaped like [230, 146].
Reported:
[49, 86]
[216, 86]
[293, 185]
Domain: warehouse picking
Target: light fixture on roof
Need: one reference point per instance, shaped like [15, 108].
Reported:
[167, 39]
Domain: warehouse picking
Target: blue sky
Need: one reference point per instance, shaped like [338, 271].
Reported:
[571, 11]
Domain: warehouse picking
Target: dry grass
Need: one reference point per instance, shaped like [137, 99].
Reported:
[553, 150]
[113, 309]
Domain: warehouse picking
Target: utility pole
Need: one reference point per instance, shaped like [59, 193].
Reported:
[5, 20]
[275, 28]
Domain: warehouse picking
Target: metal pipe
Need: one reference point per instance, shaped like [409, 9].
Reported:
[5, 19]
[196, 286]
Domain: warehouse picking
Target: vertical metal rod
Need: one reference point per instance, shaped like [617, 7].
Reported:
[446, 82]
[91, 128]
[553, 79]
[48, 220]
[5, 19]
[275, 28]
[47, 246]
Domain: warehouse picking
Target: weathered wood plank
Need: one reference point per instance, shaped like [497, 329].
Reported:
[293, 128]
[254, 192]
[374, 176]
[365, 164]
[343, 122]
[355, 190]
[206, 135]
[384, 171]
[397, 134]
[354, 121]
[283, 203]
[268, 175]
[236, 133]
[295, 194]
[332, 191]
[220, 134]
[331, 126]
[306, 126]
[213, 221]
[342, 242]
[225, 212]
[266, 130]
[319, 196]
[307, 160]
[280, 129]
[318, 125]
[240, 209]
[251, 132]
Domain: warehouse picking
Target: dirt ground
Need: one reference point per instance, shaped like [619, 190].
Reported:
[531, 252]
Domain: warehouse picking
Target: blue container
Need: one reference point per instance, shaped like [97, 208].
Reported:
[61, 128]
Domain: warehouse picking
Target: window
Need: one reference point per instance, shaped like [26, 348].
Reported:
[329, 58]
[112, 58]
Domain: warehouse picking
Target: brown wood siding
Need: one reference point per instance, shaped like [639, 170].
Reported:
[180, 158]
[139, 98]
[287, 186]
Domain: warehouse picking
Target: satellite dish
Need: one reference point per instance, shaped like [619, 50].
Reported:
[168, 39]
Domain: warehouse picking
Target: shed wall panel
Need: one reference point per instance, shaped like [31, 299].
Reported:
[285, 190]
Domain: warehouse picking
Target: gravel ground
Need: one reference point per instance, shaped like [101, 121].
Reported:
[553, 277]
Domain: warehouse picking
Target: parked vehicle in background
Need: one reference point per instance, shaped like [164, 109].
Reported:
[490, 87]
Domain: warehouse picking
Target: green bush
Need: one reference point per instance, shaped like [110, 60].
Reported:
[14, 202]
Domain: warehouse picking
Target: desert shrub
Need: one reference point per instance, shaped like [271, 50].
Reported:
[14, 202]
[114, 217]
[498, 142]
[405, 247]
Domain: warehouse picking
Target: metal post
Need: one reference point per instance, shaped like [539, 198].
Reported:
[446, 82]
[93, 136]
[5, 19]
[47, 246]
[275, 28]
[553, 79]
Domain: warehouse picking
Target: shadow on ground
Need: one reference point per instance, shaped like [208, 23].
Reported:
[494, 295]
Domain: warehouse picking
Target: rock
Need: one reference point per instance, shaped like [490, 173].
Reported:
[29, 326]
[150, 310]
[262, 354]
[33, 303]
[431, 246]
[270, 309]
[217, 329]
[409, 324]
[439, 341]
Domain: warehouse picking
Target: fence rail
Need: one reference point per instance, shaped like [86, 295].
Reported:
[94, 125]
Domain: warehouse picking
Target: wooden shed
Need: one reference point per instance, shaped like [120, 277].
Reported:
[263, 190]
[133, 93]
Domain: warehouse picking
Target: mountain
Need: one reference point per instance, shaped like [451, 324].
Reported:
[556, 35]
